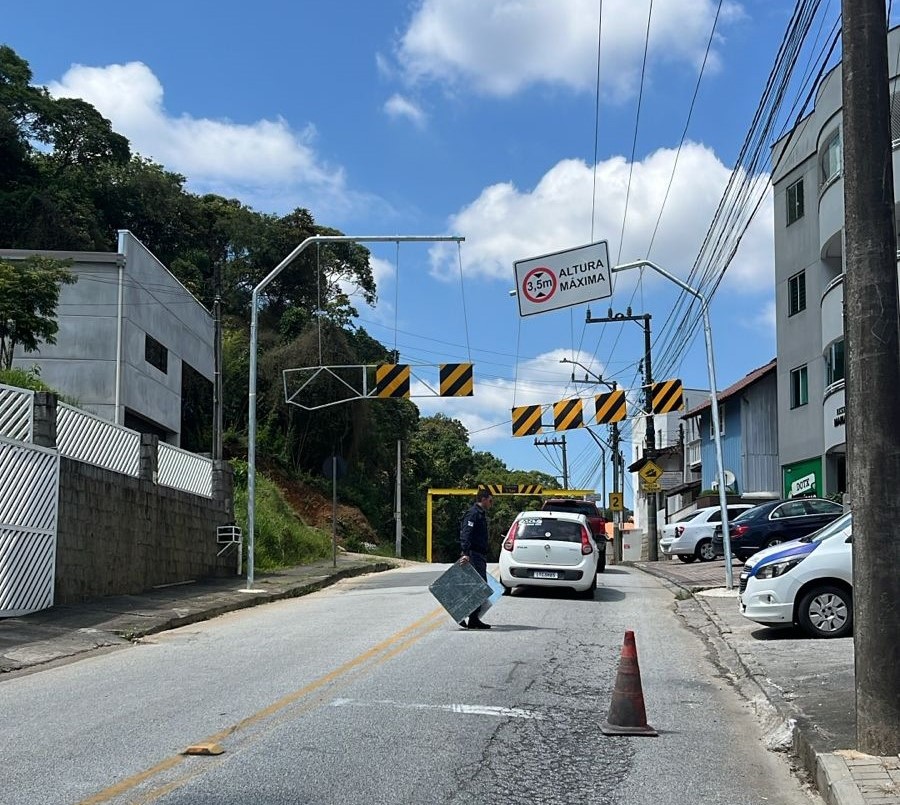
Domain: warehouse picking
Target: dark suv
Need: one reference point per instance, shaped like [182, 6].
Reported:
[596, 520]
[775, 522]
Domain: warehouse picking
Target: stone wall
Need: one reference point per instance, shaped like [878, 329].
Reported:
[120, 535]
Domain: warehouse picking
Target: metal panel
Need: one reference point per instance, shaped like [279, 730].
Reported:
[16, 413]
[183, 470]
[89, 438]
[29, 493]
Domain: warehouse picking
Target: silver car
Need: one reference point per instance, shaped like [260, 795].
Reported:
[691, 537]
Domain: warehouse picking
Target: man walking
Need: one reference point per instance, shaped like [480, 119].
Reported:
[473, 539]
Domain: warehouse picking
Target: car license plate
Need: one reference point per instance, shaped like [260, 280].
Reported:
[546, 574]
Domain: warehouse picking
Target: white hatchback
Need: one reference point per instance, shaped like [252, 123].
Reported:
[549, 549]
[691, 537]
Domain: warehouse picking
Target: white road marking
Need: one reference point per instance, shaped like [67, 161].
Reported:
[465, 709]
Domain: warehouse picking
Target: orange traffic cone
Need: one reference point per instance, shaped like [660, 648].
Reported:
[626, 711]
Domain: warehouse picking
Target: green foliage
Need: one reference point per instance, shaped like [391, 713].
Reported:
[24, 379]
[29, 293]
[281, 539]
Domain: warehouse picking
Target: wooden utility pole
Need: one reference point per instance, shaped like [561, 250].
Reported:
[650, 446]
[557, 443]
[873, 379]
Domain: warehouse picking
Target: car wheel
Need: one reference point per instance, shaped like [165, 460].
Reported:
[705, 551]
[601, 562]
[826, 611]
[589, 592]
[773, 541]
[687, 558]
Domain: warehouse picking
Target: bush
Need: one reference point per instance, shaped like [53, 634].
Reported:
[24, 379]
[281, 539]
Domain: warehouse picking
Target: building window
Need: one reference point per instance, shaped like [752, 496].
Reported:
[795, 202]
[156, 354]
[834, 362]
[797, 293]
[831, 158]
[712, 430]
[799, 390]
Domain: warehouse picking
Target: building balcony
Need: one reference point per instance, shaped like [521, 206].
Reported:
[692, 457]
[833, 415]
[831, 217]
[833, 312]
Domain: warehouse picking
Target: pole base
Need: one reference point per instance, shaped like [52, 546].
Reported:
[613, 729]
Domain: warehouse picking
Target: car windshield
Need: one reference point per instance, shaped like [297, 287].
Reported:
[578, 506]
[747, 514]
[549, 528]
[834, 527]
[692, 516]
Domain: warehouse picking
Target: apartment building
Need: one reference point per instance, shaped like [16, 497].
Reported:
[809, 220]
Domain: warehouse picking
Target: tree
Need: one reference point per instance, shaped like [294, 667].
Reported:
[29, 294]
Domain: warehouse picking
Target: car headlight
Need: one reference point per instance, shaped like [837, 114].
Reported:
[778, 568]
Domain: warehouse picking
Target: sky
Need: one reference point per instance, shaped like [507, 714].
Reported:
[475, 118]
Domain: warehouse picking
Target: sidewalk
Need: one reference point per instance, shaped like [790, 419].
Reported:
[808, 683]
[65, 631]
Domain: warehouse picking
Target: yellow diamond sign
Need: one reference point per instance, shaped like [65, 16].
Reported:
[650, 473]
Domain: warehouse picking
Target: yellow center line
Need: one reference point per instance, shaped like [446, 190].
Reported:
[388, 648]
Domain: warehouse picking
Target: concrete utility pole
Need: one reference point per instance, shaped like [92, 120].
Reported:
[871, 333]
[650, 434]
[616, 459]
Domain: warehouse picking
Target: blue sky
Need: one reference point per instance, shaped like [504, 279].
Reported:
[468, 117]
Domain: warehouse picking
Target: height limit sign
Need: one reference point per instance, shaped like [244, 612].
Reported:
[563, 279]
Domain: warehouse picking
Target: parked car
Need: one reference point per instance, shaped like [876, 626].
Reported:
[775, 522]
[690, 537]
[808, 582]
[596, 521]
[550, 549]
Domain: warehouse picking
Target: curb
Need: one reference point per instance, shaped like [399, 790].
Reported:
[829, 772]
[247, 600]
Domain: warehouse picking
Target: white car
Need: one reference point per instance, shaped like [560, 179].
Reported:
[549, 549]
[808, 581]
[691, 537]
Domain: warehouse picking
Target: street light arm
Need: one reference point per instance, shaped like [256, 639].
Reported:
[713, 398]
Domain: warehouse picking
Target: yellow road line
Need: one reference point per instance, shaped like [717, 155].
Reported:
[388, 648]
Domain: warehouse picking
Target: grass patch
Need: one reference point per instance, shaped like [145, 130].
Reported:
[282, 540]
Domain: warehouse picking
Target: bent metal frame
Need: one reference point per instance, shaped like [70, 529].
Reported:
[543, 493]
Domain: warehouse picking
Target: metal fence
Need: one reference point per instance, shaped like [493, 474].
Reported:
[89, 438]
[183, 470]
[16, 413]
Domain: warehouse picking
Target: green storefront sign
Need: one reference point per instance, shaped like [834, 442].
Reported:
[803, 478]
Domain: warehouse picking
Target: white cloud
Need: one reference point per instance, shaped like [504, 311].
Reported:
[501, 47]
[398, 106]
[265, 159]
[505, 224]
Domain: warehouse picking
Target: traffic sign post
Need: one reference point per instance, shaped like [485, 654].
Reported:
[562, 279]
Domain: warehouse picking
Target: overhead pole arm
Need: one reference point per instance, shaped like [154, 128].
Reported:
[254, 342]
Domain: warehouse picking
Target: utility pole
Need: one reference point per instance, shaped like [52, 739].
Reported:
[217, 368]
[557, 443]
[871, 333]
[618, 483]
[650, 437]
[398, 515]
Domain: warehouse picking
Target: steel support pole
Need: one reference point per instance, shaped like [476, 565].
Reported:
[254, 345]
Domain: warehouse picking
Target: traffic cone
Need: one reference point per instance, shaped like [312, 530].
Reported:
[626, 710]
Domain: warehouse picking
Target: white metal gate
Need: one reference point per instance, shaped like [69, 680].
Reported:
[29, 494]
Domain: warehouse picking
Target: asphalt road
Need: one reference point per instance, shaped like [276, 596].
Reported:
[368, 692]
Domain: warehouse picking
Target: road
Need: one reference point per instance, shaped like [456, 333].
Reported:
[368, 692]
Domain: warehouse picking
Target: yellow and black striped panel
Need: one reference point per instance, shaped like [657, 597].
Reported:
[526, 420]
[667, 396]
[531, 489]
[392, 380]
[456, 380]
[611, 407]
[494, 489]
[567, 414]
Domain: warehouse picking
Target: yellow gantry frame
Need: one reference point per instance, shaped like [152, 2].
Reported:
[547, 493]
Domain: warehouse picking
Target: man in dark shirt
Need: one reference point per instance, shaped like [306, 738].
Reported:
[473, 540]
